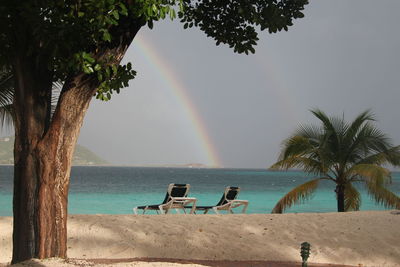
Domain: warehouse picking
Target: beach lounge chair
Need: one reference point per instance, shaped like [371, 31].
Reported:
[228, 202]
[176, 198]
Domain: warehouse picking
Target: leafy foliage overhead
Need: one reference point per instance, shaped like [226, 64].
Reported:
[72, 36]
[233, 22]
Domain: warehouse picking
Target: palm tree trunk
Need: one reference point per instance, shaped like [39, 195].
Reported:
[340, 197]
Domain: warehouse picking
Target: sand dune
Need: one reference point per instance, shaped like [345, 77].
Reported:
[368, 238]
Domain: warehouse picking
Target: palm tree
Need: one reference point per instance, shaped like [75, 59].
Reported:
[6, 97]
[344, 153]
[7, 94]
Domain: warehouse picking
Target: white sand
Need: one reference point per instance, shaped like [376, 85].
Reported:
[356, 238]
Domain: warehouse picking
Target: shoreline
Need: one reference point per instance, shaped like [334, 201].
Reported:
[369, 238]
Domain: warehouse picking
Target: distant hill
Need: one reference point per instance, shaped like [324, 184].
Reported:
[82, 155]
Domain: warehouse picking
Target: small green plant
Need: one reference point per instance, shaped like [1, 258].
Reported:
[305, 253]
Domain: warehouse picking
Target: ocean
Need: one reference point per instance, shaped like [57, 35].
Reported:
[116, 190]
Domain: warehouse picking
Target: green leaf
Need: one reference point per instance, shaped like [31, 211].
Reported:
[124, 10]
[154, 8]
[97, 67]
[87, 70]
[88, 57]
[114, 69]
[115, 14]
[108, 73]
[106, 36]
[162, 13]
[150, 24]
[181, 6]
[172, 14]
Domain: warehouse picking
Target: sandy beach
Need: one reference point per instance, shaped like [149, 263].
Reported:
[366, 238]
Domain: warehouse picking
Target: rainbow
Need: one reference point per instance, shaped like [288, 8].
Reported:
[169, 78]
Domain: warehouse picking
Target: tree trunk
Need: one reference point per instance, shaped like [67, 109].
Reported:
[55, 153]
[42, 170]
[340, 197]
[44, 148]
[30, 108]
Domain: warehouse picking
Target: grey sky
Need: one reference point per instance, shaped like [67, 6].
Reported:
[342, 57]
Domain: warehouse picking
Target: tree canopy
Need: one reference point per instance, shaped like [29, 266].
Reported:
[72, 36]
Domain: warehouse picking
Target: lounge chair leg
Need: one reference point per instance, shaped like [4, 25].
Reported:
[215, 210]
[161, 210]
[244, 209]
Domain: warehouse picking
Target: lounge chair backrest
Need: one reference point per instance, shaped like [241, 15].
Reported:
[176, 190]
[231, 192]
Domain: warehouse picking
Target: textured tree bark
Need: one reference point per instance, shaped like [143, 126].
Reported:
[42, 169]
[30, 108]
[44, 148]
[340, 197]
[55, 153]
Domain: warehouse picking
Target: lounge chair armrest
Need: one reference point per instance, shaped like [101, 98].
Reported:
[231, 205]
[179, 203]
[236, 203]
[240, 202]
[186, 200]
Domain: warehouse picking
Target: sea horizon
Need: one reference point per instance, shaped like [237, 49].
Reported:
[117, 189]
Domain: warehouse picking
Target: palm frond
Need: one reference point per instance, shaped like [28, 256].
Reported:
[297, 195]
[6, 87]
[331, 148]
[311, 132]
[6, 115]
[371, 140]
[323, 118]
[7, 94]
[355, 126]
[329, 125]
[304, 163]
[391, 156]
[6, 97]
[382, 195]
[352, 198]
[55, 95]
[370, 173]
[295, 146]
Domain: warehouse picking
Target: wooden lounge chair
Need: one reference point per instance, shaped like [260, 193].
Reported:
[176, 198]
[228, 202]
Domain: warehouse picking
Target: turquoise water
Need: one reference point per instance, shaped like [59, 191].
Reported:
[116, 190]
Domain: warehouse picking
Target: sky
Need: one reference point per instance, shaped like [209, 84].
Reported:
[195, 102]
